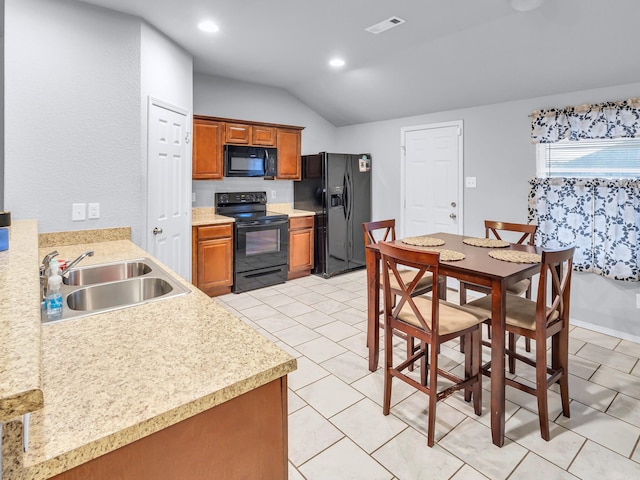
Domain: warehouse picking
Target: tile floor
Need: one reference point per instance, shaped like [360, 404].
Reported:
[336, 426]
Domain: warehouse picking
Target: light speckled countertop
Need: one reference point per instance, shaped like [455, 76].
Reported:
[20, 386]
[112, 378]
[288, 209]
[207, 215]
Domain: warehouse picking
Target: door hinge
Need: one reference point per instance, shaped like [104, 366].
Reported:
[187, 137]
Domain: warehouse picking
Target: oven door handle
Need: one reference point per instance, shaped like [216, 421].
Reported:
[261, 223]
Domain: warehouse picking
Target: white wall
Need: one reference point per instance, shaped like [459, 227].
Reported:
[2, 116]
[497, 151]
[77, 78]
[72, 113]
[221, 97]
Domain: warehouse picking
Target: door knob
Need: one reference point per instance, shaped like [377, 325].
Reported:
[453, 215]
[157, 231]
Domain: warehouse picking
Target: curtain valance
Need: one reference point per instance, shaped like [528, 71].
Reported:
[589, 121]
[600, 216]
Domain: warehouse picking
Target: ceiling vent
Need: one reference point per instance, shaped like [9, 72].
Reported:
[385, 25]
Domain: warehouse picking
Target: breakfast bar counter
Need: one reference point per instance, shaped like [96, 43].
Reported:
[114, 379]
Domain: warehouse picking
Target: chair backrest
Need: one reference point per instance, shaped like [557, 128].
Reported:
[527, 231]
[420, 262]
[555, 272]
[380, 231]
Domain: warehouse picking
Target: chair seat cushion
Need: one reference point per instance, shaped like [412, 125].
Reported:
[519, 288]
[425, 283]
[521, 312]
[452, 318]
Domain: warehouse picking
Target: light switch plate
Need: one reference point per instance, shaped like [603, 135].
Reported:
[637, 300]
[78, 212]
[273, 194]
[470, 182]
[94, 210]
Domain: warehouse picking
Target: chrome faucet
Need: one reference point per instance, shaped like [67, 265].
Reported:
[88, 253]
[43, 272]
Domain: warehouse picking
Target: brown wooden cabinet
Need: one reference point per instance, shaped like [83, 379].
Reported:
[289, 159]
[213, 258]
[207, 161]
[237, 133]
[245, 437]
[210, 134]
[300, 246]
[263, 136]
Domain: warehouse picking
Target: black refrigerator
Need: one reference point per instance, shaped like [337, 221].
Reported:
[337, 187]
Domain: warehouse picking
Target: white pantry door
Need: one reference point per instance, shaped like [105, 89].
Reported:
[169, 187]
[432, 179]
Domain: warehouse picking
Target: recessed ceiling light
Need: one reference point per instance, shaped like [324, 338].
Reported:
[208, 26]
[336, 62]
[525, 5]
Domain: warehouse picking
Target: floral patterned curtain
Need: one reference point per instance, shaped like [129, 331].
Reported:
[597, 121]
[601, 216]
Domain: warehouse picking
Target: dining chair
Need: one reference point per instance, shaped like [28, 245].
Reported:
[385, 230]
[539, 321]
[432, 321]
[527, 233]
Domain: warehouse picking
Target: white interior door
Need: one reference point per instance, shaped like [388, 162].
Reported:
[432, 179]
[169, 187]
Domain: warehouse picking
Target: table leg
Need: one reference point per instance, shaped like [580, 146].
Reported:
[498, 307]
[373, 306]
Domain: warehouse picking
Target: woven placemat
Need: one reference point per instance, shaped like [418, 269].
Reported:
[423, 241]
[515, 256]
[486, 242]
[448, 255]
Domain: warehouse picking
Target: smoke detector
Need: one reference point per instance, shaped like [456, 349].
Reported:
[385, 25]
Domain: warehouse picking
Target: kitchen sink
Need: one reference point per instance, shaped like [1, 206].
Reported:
[101, 288]
[116, 294]
[106, 273]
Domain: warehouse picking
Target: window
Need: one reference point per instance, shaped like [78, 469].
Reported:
[603, 158]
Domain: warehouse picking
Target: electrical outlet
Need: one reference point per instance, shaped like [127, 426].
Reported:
[470, 182]
[273, 194]
[78, 212]
[94, 210]
[193, 197]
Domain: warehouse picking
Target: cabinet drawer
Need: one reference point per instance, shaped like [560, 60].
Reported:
[300, 222]
[264, 136]
[215, 231]
[237, 133]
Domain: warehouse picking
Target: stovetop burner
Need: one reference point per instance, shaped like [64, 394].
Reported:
[246, 206]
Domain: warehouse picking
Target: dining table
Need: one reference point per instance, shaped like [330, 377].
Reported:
[476, 267]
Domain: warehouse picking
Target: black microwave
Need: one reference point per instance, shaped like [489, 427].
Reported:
[243, 161]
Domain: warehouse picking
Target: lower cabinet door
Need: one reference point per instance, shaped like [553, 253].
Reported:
[215, 263]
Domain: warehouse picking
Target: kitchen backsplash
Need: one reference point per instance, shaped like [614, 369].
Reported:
[278, 191]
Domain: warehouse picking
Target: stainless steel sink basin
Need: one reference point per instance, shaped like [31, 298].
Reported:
[116, 294]
[106, 273]
[101, 288]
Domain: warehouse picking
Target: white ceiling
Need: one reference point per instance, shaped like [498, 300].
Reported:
[449, 54]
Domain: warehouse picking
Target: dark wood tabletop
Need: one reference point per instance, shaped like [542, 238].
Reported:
[479, 268]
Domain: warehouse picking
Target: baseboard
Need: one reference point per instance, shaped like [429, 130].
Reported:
[605, 330]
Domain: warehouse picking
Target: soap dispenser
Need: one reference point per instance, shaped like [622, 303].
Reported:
[53, 300]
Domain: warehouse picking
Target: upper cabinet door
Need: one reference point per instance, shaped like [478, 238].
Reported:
[207, 150]
[289, 154]
[237, 133]
[263, 136]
